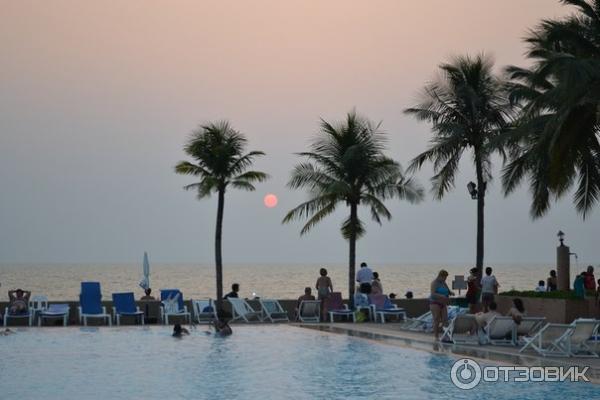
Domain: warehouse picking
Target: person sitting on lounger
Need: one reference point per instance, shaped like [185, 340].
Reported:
[222, 328]
[179, 331]
[517, 311]
[19, 300]
[147, 296]
[484, 318]
[235, 288]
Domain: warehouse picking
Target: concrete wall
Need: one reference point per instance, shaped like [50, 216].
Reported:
[413, 307]
[561, 311]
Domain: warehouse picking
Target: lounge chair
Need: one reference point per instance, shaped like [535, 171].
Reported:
[461, 330]
[90, 303]
[55, 311]
[8, 315]
[499, 331]
[241, 310]
[550, 340]
[205, 311]
[309, 311]
[424, 323]
[382, 306]
[37, 304]
[583, 330]
[528, 327]
[173, 305]
[124, 305]
[335, 307]
[272, 311]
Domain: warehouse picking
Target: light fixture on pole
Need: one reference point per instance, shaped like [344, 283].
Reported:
[472, 188]
[561, 237]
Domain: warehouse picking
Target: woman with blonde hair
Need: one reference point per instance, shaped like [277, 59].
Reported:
[438, 301]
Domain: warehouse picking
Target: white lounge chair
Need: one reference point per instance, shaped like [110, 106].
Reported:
[550, 340]
[499, 331]
[309, 311]
[528, 327]
[424, 323]
[37, 304]
[462, 329]
[173, 305]
[583, 330]
[55, 311]
[336, 307]
[272, 311]
[382, 306]
[204, 311]
[241, 310]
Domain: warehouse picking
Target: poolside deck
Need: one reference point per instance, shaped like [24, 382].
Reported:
[504, 355]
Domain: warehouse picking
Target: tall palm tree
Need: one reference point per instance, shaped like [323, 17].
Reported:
[468, 109]
[555, 142]
[219, 162]
[346, 164]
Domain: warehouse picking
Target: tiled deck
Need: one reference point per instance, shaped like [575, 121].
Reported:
[504, 355]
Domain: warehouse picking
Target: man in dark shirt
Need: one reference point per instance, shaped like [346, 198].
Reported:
[235, 288]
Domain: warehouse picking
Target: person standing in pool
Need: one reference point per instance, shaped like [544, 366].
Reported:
[324, 288]
[439, 299]
[179, 331]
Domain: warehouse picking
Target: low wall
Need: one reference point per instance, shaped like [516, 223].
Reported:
[151, 309]
[560, 311]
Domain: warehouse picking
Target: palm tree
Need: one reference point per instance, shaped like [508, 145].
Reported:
[346, 165]
[555, 142]
[467, 109]
[219, 163]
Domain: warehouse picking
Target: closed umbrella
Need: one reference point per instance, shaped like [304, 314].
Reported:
[145, 282]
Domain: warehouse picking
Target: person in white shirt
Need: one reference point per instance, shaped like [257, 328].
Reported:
[489, 287]
[541, 287]
[364, 276]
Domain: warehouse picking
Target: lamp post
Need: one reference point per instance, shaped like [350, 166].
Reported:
[563, 263]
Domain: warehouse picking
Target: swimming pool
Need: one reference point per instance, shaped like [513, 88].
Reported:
[257, 362]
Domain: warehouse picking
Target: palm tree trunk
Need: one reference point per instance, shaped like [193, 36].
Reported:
[480, 214]
[218, 255]
[352, 255]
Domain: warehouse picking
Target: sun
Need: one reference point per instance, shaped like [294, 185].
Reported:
[270, 200]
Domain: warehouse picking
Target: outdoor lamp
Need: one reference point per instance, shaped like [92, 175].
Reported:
[561, 237]
[472, 188]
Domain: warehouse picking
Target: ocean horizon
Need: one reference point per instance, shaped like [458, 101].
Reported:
[61, 281]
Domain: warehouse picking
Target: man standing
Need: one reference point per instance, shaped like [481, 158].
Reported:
[489, 288]
[364, 277]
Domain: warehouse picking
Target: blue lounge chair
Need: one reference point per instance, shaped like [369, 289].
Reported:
[8, 315]
[90, 303]
[172, 305]
[124, 304]
[55, 311]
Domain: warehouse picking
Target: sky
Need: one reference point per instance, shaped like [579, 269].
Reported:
[98, 98]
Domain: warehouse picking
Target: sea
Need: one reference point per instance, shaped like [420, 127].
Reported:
[281, 281]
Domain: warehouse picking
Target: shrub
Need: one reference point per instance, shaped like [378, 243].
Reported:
[544, 295]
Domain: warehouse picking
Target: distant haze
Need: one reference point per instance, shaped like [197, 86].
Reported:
[97, 99]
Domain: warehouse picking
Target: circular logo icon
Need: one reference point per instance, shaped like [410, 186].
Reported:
[465, 374]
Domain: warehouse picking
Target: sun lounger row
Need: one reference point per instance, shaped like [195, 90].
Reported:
[531, 333]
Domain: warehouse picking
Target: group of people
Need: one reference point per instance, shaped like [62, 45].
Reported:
[480, 297]
[585, 284]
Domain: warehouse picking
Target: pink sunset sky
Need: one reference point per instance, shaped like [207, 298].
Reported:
[97, 99]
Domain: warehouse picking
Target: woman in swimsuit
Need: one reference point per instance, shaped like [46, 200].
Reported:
[324, 288]
[438, 301]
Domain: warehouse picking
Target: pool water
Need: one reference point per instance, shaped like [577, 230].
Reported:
[256, 362]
